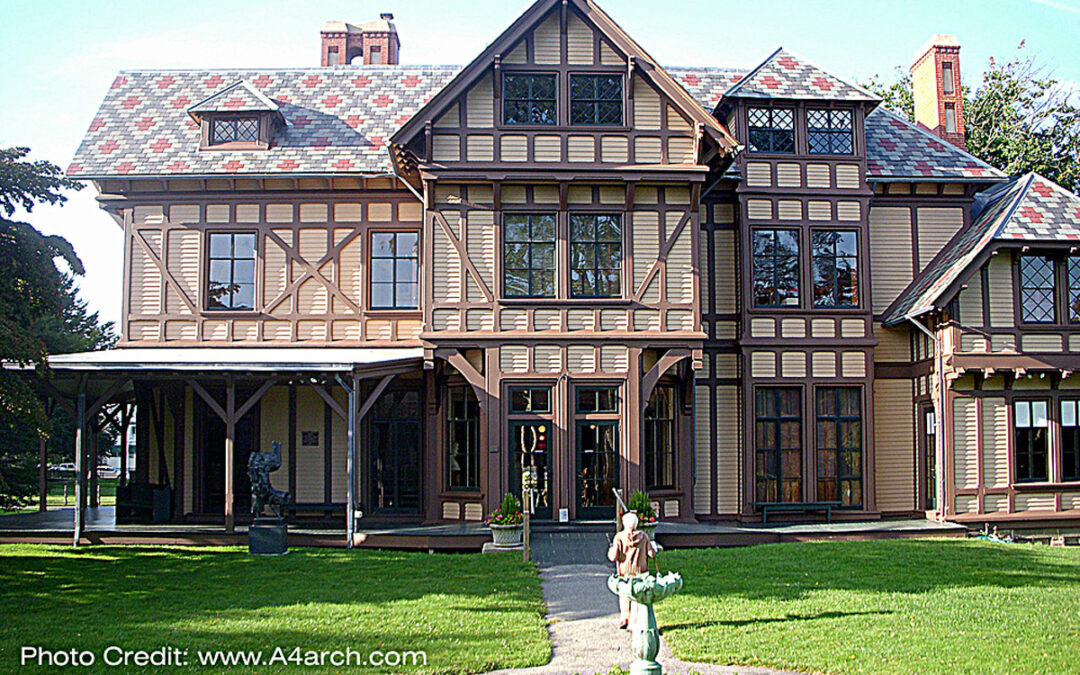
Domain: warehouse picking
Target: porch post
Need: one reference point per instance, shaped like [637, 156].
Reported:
[230, 436]
[80, 432]
[125, 417]
[95, 440]
[350, 463]
[43, 475]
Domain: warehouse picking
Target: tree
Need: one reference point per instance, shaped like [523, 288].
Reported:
[40, 313]
[1019, 119]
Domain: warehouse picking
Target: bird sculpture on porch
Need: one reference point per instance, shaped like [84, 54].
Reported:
[263, 494]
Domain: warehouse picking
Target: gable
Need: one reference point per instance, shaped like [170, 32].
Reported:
[787, 75]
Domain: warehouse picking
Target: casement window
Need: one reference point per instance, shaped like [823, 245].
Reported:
[530, 400]
[596, 255]
[530, 99]
[1072, 272]
[839, 445]
[1070, 441]
[596, 99]
[778, 444]
[660, 439]
[234, 130]
[395, 261]
[776, 268]
[231, 274]
[829, 132]
[529, 255]
[1031, 446]
[597, 400]
[771, 129]
[1037, 289]
[463, 438]
[835, 256]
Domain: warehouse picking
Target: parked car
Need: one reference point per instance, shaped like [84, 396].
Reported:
[108, 472]
[62, 469]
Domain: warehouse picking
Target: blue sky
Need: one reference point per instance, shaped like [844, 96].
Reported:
[59, 57]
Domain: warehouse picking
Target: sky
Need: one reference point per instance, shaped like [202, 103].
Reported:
[59, 57]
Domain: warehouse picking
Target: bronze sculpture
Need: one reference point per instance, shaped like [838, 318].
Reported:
[263, 494]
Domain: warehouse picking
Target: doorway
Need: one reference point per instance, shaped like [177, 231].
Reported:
[211, 460]
[394, 454]
[597, 468]
[530, 444]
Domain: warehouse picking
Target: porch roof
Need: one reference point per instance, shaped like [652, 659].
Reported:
[247, 359]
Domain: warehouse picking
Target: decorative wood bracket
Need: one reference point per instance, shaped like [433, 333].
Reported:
[651, 378]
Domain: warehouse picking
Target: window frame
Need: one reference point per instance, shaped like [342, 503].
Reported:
[472, 455]
[1022, 315]
[798, 256]
[794, 110]
[554, 242]
[1069, 474]
[830, 131]
[837, 418]
[621, 123]
[1015, 441]
[208, 259]
[210, 120]
[595, 389]
[556, 120]
[369, 259]
[595, 243]
[651, 452]
[512, 389]
[834, 257]
[776, 449]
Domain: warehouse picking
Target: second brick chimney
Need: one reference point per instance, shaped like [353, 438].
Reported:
[371, 43]
[935, 77]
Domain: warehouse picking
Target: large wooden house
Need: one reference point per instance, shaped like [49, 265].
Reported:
[728, 289]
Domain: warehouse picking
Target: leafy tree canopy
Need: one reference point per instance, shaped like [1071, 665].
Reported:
[1019, 119]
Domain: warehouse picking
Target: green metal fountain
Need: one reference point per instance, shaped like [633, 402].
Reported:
[645, 590]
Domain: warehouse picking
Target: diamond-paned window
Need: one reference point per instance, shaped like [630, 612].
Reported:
[1037, 289]
[1074, 289]
[771, 129]
[234, 130]
[529, 100]
[829, 132]
[596, 99]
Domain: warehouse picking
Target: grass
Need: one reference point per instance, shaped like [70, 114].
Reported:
[55, 494]
[895, 606]
[469, 613]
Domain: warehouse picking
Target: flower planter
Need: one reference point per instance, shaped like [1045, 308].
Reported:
[648, 528]
[506, 536]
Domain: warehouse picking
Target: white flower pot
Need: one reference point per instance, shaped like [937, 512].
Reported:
[506, 536]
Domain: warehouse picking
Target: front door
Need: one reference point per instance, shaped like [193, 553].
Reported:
[530, 444]
[929, 453]
[211, 442]
[394, 457]
[597, 468]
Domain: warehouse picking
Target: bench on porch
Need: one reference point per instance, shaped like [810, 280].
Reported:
[143, 503]
[765, 507]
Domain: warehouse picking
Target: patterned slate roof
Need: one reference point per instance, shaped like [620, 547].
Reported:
[1027, 209]
[338, 121]
[785, 74]
[238, 96]
[896, 148]
[707, 85]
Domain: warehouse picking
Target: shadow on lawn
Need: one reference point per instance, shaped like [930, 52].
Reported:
[774, 619]
[790, 571]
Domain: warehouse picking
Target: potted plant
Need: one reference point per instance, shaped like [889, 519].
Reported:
[506, 522]
[639, 503]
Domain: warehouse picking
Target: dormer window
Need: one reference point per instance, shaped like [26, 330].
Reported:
[771, 129]
[234, 130]
[829, 132]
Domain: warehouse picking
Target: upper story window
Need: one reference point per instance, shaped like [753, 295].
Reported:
[776, 268]
[596, 99]
[231, 277]
[530, 400]
[771, 129]
[1073, 278]
[530, 99]
[597, 400]
[595, 256]
[395, 260]
[836, 268]
[1030, 440]
[234, 130]
[1070, 441]
[829, 132]
[1037, 289]
[529, 255]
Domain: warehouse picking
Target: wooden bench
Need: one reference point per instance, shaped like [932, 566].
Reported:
[765, 507]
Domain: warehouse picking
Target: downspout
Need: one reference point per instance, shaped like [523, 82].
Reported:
[350, 462]
[939, 418]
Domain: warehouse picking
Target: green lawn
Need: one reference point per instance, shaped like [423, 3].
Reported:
[469, 613]
[55, 493]
[900, 606]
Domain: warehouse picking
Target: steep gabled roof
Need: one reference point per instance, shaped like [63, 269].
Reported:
[528, 21]
[1028, 209]
[240, 96]
[899, 150]
[785, 74]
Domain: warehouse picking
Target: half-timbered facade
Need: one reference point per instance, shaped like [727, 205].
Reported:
[564, 256]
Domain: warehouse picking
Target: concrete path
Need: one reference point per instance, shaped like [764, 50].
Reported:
[583, 615]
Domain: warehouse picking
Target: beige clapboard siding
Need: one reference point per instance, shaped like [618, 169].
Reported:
[480, 104]
[726, 291]
[995, 445]
[817, 176]
[514, 148]
[646, 246]
[446, 148]
[936, 226]
[703, 269]
[965, 443]
[480, 245]
[728, 449]
[449, 119]
[894, 439]
[703, 443]
[1041, 343]
[614, 358]
[312, 296]
[1000, 290]
[547, 148]
[890, 254]
[847, 176]
[579, 42]
[788, 175]
[514, 358]
[647, 106]
[310, 486]
[546, 39]
[184, 263]
[971, 301]
[894, 344]
[581, 358]
[581, 149]
[446, 268]
[1034, 501]
[758, 174]
[145, 289]
[339, 450]
[759, 209]
[680, 265]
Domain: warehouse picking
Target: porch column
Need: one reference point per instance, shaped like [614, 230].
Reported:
[230, 436]
[125, 422]
[80, 432]
[43, 475]
[350, 498]
[95, 440]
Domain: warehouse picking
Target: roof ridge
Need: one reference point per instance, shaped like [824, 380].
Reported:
[753, 71]
[811, 62]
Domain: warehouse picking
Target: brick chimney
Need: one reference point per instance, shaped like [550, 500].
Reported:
[935, 76]
[373, 42]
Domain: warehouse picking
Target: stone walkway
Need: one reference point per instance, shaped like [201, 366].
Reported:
[583, 614]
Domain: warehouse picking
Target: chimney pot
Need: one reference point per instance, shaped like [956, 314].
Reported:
[386, 16]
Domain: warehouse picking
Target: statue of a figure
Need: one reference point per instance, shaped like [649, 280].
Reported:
[263, 494]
